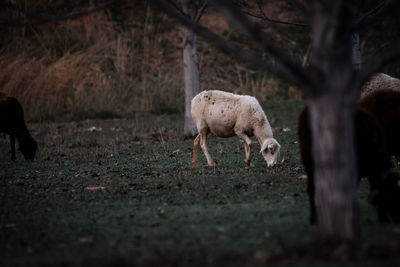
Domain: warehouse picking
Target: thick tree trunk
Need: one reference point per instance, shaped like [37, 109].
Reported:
[332, 122]
[190, 67]
[335, 172]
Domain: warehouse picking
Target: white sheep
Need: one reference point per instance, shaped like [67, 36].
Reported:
[226, 114]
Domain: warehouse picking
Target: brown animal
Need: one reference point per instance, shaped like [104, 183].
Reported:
[384, 104]
[380, 81]
[12, 123]
[386, 198]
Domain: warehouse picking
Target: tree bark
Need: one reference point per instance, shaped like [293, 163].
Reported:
[356, 51]
[190, 67]
[335, 172]
[332, 115]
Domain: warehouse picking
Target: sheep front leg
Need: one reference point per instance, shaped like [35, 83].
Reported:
[195, 149]
[203, 138]
[247, 146]
[12, 143]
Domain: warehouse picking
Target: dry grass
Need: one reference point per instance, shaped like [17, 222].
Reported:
[90, 67]
[87, 68]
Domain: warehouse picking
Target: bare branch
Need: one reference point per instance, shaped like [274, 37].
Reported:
[201, 10]
[35, 17]
[298, 77]
[199, 13]
[372, 16]
[253, 30]
[38, 10]
[266, 18]
[172, 3]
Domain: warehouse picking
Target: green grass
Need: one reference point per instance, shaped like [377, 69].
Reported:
[155, 209]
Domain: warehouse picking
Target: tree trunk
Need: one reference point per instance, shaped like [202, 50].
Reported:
[356, 51]
[332, 115]
[356, 39]
[335, 172]
[190, 67]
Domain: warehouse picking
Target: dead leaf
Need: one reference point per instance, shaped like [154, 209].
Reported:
[94, 188]
[86, 239]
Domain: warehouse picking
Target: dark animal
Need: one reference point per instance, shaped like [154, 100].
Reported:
[12, 123]
[373, 161]
[384, 105]
[386, 198]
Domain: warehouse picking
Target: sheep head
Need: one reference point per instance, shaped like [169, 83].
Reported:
[270, 150]
[28, 147]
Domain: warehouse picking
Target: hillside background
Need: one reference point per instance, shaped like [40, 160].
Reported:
[127, 59]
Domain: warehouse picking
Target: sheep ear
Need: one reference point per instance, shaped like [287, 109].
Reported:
[264, 147]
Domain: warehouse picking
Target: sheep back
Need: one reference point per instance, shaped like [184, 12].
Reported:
[380, 81]
[11, 114]
[224, 112]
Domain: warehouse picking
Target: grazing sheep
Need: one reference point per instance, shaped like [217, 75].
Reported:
[373, 161]
[12, 123]
[384, 104]
[226, 114]
[380, 81]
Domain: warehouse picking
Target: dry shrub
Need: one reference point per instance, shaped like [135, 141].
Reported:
[90, 67]
[71, 84]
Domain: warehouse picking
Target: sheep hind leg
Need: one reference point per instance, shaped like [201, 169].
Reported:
[195, 149]
[247, 147]
[203, 138]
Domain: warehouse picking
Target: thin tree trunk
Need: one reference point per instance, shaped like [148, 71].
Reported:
[356, 39]
[190, 67]
[356, 51]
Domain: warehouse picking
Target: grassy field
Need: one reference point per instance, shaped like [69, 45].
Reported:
[122, 192]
